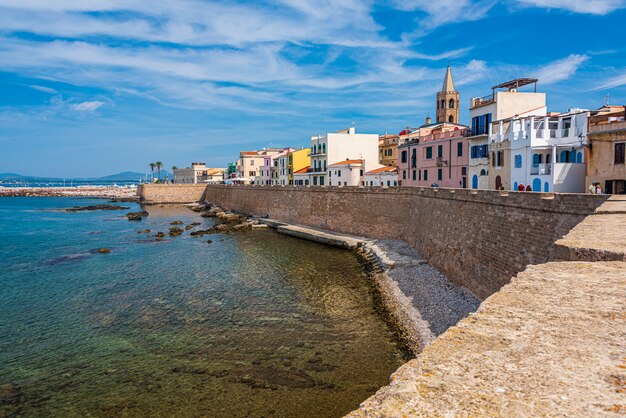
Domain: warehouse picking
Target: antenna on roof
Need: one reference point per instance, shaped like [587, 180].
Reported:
[607, 97]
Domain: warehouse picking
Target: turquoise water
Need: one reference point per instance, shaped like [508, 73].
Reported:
[253, 324]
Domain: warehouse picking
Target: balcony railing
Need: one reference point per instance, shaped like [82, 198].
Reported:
[541, 169]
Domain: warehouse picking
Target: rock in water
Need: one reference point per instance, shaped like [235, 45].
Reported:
[136, 216]
[209, 241]
[10, 394]
[175, 231]
[95, 207]
[176, 223]
[104, 250]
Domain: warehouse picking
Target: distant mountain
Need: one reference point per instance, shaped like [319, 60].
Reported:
[123, 176]
[126, 176]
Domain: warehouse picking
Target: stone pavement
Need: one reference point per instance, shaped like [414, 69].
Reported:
[550, 343]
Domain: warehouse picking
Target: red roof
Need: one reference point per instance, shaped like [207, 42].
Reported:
[347, 162]
[385, 169]
[302, 170]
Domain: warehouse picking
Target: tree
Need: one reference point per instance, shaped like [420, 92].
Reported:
[159, 164]
[152, 165]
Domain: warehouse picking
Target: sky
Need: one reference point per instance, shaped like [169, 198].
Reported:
[91, 88]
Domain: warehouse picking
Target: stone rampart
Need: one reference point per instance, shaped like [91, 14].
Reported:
[170, 193]
[479, 239]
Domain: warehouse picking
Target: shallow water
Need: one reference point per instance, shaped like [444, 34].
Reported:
[253, 324]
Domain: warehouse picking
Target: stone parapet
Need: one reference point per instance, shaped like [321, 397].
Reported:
[170, 193]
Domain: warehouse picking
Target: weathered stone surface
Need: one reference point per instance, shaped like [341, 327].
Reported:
[175, 231]
[439, 223]
[170, 193]
[550, 343]
[103, 250]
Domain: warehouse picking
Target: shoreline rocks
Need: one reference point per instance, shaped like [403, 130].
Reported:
[96, 207]
[136, 216]
[110, 192]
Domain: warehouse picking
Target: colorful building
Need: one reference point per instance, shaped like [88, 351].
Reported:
[388, 149]
[198, 173]
[297, 160]
[438, 157]
[250, 164]
[346, 173]
[606, 154]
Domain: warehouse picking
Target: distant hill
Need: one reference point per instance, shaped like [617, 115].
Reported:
[123, 176]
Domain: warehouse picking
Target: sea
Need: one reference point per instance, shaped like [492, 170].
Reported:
[251, 324]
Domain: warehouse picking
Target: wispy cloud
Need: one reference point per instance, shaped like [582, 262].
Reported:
[560, 70]
[43, 89]
[91, 106]
[598, 7]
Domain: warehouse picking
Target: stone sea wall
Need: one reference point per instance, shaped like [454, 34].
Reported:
[170, 193]
[479, 239]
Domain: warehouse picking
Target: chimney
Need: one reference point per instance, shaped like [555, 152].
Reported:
[428, 120]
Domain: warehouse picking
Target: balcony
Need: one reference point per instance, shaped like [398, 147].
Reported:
[482, 101]
[541, 169]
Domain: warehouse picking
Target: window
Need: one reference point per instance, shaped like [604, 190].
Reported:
[339, 172]
[500, 158]
[464, 171]
[314, 149]
[429, 153]
[439, 174]
[451, 104]
[483, 172]
[414, 158]
[251, 162]
[403, 174]
[479, 151]
[443, 104]
[440, 151]
[518, 161]
[414, 173]
[480, 124]
[451, 119]
[404, 156]
[395, 182]
[251, 173]
[425, 175]
[323, 148]
[388, 183]
[361, 172]
[620, 153]
[419, 175]
[459, 149]
[493, 159]
[330, 173]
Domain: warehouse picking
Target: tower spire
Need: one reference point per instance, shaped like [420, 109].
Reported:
[448, 83]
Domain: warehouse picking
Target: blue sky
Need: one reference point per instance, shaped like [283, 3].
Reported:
[90, 88]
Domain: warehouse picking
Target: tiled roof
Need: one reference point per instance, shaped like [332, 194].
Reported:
[383, 170]
[347, 162]
[302, 170]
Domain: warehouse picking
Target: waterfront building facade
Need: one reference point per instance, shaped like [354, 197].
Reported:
[190, 175]
[297, 160]
[231, 171]
[388, 149]
[505, 101]
[386, 176]
[338, 147]
[438, 157]
[540, 154]
[250, 163]
[606, 164]
[346, 173]
[301, 177]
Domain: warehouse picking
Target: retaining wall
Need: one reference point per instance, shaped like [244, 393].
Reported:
[170, 193]
[479, 239]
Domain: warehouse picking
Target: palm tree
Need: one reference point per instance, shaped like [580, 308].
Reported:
[152, 165]
[159, 164]
[174, 168]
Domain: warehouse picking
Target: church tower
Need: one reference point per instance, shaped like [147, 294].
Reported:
[448, 101]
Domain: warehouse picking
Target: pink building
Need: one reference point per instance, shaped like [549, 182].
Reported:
[267, 176]
[437, 157]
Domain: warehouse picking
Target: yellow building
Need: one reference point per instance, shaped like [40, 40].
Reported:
[297, 161]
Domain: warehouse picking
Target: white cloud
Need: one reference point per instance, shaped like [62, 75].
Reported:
[560, 70]
[598, 7]
[91, 106]
[44, 89]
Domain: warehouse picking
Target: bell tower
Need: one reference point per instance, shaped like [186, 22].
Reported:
[448, 101]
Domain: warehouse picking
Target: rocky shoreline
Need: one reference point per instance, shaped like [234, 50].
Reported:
[108, 192]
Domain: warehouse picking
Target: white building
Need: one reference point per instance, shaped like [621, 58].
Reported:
[346, 173]
[283, 168]
[338, 147]
[505, 101]
[545, 153]
[383, 176]
[302, 177]
[189, 175]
